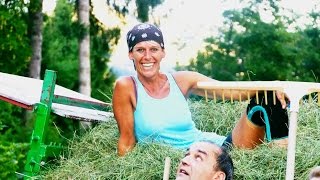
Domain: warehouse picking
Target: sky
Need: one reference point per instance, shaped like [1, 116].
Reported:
[184, 23]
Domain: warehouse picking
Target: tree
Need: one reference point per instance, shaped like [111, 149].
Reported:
[36, 20]
[312, 48]
[15, 55]
[248, 48]
[14, 40]
[60, 45]
[143, 7]
[84, 48]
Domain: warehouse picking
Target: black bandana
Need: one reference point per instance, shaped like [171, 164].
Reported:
[144, 32]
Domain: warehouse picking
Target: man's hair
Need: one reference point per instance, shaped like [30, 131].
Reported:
[225, 163]
[315, 172]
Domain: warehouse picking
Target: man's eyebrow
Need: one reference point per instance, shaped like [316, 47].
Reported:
[202, 152]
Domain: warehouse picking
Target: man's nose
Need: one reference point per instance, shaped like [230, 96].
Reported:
[186, 161]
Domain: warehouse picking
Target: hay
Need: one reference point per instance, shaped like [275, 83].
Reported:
[94, 156]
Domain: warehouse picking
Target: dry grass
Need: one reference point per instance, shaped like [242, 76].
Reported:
[94, 155]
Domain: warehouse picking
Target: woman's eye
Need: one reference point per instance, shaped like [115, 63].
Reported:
[154, 49]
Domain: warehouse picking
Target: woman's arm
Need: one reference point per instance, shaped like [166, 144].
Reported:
[187, 81]
[123, 102]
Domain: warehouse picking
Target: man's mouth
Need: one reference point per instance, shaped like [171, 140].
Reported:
[184, 172]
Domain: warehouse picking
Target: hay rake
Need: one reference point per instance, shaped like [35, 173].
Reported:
[295, 91]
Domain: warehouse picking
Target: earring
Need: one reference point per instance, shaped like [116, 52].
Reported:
[134, 64]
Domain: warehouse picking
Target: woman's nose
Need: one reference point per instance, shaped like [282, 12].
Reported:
[147, 54]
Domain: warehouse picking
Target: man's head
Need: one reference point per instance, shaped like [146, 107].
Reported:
[206, 161]
[144, 32]
[315, 173]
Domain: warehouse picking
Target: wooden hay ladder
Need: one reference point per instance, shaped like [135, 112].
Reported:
[294, 91]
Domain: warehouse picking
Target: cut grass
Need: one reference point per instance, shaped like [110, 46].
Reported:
[94, 156]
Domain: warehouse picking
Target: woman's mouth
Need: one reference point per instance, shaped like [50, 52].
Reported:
[147, 65]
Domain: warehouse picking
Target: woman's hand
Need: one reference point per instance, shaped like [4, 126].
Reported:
[282, 97]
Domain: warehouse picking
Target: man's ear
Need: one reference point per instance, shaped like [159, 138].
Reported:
[219, 175]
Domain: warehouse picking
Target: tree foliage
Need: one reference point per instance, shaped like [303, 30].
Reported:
[142, 11]
[60, 45]
[15, 55]
[311, 58]
[14, 47]
[250, 48]
[61, 33]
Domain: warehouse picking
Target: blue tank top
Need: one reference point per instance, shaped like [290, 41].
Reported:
[167, 120]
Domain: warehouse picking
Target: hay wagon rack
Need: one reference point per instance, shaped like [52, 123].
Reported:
[295, 91]
[44, 97]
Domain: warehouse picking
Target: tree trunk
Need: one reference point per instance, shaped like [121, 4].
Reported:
[36, 18]
[36, 21]
[84, 52]
[84, 49]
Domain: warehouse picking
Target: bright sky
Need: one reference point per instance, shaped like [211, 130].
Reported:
[185, 23]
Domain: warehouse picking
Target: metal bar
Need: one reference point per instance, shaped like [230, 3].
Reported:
[43, 109]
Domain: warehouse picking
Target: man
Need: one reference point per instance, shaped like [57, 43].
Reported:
[205, 161]
[315, 173]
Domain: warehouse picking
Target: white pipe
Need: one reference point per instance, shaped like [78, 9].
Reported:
[166, 172]
[291, 145]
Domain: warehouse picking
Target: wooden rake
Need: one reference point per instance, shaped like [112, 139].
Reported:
[293, 90]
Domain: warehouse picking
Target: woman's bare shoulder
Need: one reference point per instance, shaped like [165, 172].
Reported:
[124, 81]
[124, 84]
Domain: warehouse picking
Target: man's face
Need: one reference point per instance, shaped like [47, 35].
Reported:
[200, 163]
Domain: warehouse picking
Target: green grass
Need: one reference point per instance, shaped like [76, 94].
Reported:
[94, 155]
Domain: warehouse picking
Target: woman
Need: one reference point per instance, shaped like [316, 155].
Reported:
[151, 106]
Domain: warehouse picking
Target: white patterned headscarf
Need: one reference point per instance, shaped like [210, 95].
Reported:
[144, 32]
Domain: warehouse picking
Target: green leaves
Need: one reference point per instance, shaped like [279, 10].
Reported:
[15, 50]
[251, 48]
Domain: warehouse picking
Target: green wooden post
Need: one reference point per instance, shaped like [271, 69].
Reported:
[37, 149]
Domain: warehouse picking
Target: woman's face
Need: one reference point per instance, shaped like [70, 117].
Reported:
[147, 56]
[200, 162]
